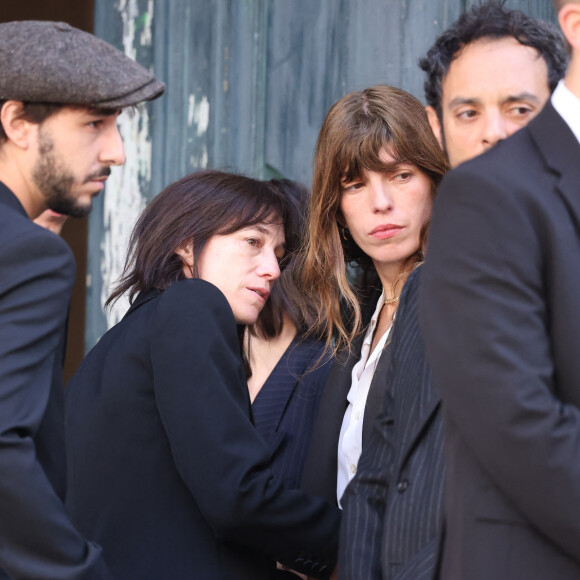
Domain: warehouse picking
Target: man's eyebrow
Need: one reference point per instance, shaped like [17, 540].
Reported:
[525, 96]
[458, 101]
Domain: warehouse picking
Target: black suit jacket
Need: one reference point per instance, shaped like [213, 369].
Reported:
[36, 278]
[501, 322]
[393, 508]
[321, 466]
[166, 470]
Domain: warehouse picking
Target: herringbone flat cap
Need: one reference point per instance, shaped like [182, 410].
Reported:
[53, 62]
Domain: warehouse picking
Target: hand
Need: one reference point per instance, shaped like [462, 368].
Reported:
[282, 567]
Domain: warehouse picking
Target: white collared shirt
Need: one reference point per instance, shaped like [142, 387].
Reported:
[350, 440]
[567, 104]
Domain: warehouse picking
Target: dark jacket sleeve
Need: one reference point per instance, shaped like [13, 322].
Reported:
[218, 452]
[485, 315]
[320, 467]
[36, 538]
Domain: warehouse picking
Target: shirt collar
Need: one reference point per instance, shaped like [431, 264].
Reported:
[567, 104]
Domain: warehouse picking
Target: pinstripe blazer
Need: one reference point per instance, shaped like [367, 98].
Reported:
[393, 507]
[286, 406]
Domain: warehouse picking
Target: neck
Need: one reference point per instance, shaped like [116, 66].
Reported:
[265, 354]
[13, 176]
[391, 278]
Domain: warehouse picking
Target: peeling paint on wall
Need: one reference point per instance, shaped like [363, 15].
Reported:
[147, 32]
[124, 200]
[198, 120]
[198, 115]
[129, 15]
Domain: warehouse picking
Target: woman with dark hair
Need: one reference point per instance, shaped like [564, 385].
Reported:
[377, 166]
[166, 470]
[289, 369]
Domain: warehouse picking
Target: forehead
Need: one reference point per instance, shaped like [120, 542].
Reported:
[491, 69]
[370, 159]
[273, 230]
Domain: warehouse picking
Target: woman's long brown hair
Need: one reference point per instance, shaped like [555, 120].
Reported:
[355, 129]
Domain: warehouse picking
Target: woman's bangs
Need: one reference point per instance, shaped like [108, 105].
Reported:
[363, 154]
[251, 213]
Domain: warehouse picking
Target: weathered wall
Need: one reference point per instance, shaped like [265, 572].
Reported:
[248, 85]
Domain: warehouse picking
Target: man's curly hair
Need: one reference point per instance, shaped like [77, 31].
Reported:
[492, 20]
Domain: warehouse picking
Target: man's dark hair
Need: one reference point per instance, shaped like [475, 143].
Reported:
[40, 112]
[33, 112]
[492, 20]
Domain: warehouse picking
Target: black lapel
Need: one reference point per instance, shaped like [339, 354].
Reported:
[416, 411]
[415, 397]
[561, 152]
[377, 391]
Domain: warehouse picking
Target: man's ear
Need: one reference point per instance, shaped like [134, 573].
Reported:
[569, 20]
[18, 130]
[435, 124]
[185, 250]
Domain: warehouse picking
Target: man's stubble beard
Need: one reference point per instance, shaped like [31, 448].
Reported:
[54, 180]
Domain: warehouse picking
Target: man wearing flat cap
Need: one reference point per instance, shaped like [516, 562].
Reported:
[61, 91]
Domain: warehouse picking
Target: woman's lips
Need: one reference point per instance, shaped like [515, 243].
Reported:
[263, 293]
[386, 231]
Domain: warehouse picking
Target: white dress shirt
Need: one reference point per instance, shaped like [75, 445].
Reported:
[567, 104]
[350, 440]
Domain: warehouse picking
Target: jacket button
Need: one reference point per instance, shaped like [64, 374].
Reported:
[402, 485]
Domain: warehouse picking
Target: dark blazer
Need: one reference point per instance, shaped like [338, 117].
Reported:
[321, 466]
[286, 406]
[501, 322]
[393, 508]
[166, 470]
[36, 278]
